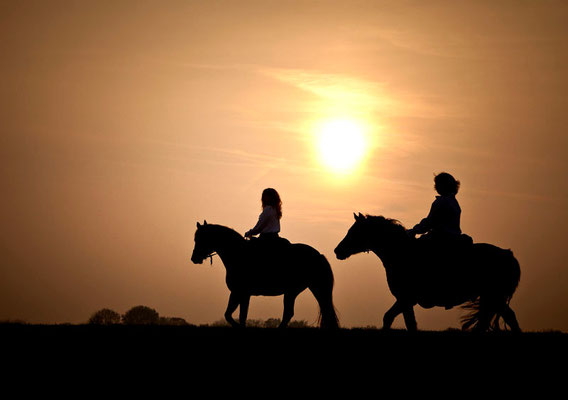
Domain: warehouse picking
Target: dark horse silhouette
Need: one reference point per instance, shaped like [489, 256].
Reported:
[266, 268]
[481, 277]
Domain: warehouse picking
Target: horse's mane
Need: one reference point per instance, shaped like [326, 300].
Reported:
[383, 223]
[225, 231]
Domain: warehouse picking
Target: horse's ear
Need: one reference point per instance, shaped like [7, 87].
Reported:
[356, 217]
[204, 222]
[198, 225]
[361, 216]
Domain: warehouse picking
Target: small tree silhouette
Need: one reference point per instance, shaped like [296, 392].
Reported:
[141, 315]
[105, 317]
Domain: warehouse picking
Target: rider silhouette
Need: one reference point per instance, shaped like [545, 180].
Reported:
[443, 221]
[442, 225]
[268, 225]
[442, 237]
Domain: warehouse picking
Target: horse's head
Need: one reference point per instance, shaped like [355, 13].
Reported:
[368, 232]
[356, 240]
[203, 244]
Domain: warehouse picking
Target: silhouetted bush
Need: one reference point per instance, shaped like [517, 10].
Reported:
[141, 315]
[272, 323]
[173, 321]
[298, 324]
[221, 323]
[105, 317]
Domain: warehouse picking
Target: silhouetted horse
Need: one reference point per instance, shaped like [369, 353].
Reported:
[266, 268]
[481, 277]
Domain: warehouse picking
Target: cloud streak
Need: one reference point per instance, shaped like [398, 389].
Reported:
[348, 94]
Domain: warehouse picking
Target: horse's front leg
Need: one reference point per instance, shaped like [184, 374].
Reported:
[243, 311]
[289, 300]
[231, 307]
[391, 314]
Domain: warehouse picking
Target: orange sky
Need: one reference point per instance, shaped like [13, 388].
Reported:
[125, 122]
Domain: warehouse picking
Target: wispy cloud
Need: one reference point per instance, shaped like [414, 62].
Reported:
[354, 95]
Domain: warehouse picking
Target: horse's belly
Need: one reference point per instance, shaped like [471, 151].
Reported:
[425, 304]
[443, 287]
[275, 288]
[270, 286]
[264, 292]
[269, 279]
[447, 300]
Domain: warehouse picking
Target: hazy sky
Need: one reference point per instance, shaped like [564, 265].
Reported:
[126, 122]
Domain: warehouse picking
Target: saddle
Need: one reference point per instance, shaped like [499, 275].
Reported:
[447, 242]
[444, 251]
[442, 256]
[269, 245]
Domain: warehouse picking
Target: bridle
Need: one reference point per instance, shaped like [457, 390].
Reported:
[210, 257]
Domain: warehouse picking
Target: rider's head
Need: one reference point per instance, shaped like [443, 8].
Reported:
[445, 184]
[270, 197]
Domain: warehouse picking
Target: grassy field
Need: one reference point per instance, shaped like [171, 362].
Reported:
[305, 360]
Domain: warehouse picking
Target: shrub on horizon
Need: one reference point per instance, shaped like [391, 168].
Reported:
[141, 315]
[105, 316]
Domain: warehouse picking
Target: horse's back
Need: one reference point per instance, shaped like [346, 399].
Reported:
[281, 250]
[498, 265]
[305, 250]
[461, 274]
[490, 257]
[276, 266]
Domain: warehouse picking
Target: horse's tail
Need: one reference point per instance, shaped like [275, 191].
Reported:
[322, 288]
[485, 310]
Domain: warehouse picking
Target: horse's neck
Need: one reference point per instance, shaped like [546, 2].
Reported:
[391, 253]
[229, 247]
[229, 259]
[386, 256]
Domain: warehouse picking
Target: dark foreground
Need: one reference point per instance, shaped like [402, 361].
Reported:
[198, 353]
[161, 341]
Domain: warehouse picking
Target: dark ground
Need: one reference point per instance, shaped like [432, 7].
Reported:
[226, 357]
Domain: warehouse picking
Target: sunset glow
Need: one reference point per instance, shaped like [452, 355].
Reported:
[125, 123]
[341, 144]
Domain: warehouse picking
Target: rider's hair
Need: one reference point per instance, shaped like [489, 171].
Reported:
[446, 184]
[270, 197]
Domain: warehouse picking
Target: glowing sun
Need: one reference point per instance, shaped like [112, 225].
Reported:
[341, 144]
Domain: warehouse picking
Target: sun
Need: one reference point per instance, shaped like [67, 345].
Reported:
[341, 144]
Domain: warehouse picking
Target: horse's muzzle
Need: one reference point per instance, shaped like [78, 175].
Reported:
[340, 254]
[196, 260]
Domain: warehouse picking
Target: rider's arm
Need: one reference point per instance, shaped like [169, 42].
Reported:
[262, 221]
[426, 224]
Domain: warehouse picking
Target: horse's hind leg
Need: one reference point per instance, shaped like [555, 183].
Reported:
[289, 300]
[327, 316]
[243, 310]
